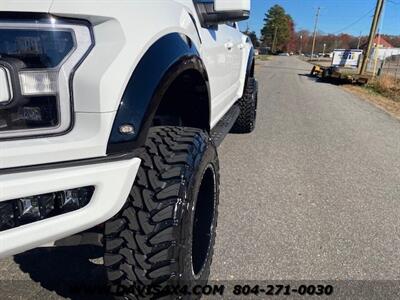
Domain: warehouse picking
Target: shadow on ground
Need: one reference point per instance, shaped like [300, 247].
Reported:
[66, 271]
[323, 80]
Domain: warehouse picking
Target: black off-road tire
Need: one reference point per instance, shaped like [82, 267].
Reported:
[246, 121]
[165, 233]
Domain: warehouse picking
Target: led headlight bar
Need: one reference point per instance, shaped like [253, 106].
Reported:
[26, 210]
[38, 83]
[37, 61]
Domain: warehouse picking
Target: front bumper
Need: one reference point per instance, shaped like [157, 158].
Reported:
[112, 182]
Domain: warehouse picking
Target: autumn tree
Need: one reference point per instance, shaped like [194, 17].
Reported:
[292, 44]
[392, 39]
[303, 40]
[277, 21]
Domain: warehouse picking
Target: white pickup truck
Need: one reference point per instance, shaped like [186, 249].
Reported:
[111, 113]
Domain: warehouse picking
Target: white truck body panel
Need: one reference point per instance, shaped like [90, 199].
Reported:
[112, 183]
[98, 86]
[232, 5]
[25, 5]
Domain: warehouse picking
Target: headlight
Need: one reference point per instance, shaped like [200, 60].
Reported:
[37, 62]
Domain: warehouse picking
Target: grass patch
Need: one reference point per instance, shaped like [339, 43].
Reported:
[387, 86]
[264, 57]
[381, 93]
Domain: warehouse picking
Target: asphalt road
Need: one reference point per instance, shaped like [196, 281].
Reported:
[313, 193]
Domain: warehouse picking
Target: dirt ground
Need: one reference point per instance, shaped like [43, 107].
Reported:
[388, 105]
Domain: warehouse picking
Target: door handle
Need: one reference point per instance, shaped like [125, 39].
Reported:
[229, 45]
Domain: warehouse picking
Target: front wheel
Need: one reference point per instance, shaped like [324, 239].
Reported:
[165, 233]
[246, 121]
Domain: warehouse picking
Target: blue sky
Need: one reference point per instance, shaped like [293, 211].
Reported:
[336, 15]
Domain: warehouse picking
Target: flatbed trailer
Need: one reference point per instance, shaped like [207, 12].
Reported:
[339, 73]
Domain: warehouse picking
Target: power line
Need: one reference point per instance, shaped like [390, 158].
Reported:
[355, 22]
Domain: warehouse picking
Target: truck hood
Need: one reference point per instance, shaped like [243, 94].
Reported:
[42, 6]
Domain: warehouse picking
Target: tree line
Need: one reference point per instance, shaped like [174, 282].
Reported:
[303, 40]
[279, 32]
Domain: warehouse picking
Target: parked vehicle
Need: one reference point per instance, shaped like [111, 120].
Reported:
[111, 114]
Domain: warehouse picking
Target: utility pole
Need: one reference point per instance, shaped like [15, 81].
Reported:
[315, 32]
[359, 40]
[274, 40]
[301, 44]
[372, 34]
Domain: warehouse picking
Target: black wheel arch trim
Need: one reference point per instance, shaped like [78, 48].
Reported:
[163, 62]
[250, 64]
[251, 61]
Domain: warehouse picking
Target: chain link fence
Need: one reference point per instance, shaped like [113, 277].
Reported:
[385, 62]
[391, 66]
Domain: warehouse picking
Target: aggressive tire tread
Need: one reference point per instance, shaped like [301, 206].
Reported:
[246, 121]
[141, 241]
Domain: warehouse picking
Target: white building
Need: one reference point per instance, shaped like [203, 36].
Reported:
[384, 53]
[383, 49]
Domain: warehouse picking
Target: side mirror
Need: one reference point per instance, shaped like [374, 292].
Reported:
[221, 11]
[232, 5]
